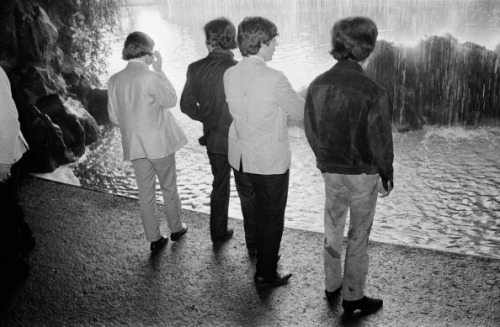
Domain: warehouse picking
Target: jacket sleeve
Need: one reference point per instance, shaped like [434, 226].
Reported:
[188, 103]
[9, 124]
[111, 105]
[310, 123]
[380, 138]
[288, 99]
[163, 92]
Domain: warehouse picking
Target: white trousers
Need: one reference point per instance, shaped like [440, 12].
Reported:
[146, 171]
[358, 193]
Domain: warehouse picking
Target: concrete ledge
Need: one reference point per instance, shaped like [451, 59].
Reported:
[92, 267]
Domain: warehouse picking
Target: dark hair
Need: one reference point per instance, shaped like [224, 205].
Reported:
[137, 45]
[220, 33]
[353, 38]
[252, 32]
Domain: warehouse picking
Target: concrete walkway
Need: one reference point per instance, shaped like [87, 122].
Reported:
[92, 267]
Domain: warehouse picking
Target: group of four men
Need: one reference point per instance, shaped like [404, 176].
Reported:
[245, 107]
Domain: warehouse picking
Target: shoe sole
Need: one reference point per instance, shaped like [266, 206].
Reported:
[350, 312]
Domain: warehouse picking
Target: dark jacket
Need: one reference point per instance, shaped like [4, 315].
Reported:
[348, 124]
[203, 98]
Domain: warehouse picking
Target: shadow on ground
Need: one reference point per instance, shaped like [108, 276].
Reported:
[92, 267]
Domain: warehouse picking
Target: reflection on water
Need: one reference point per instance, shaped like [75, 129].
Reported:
[447, 180]
[446, 195]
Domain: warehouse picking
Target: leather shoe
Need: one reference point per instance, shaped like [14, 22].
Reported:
[222, 239]
[156, 246]
[177, 235]
[277, 280]
[365, 305]
[333, 295]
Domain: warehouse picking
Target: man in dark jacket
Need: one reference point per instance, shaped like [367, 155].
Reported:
[348, 126]
[203, 99]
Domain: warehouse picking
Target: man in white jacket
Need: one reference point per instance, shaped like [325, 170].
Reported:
[16, 238]
[138, 101]
[260, 101]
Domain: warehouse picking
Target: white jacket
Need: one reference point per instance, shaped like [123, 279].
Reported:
[138, 101]
[260, 101]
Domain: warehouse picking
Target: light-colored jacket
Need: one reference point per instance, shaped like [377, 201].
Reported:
[138, 99]
[260, 101]
[12, 142]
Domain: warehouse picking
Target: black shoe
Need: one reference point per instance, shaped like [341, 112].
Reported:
[277, 280]
[333, 295]
[156, 246]
[222, 239]
[177, 235]
[365, 305]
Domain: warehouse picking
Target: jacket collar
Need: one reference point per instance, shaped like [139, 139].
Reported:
[348, 65]
[220, 53]
[134, 63]
[255, 60]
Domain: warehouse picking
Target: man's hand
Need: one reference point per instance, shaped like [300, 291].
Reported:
[157, 61]
[4, 172]
[385, 188]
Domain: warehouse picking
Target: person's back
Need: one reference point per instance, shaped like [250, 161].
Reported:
[260, 100]
[349, 100]
[138, 102]
[207, 88]
[348, 126]
[203, 99]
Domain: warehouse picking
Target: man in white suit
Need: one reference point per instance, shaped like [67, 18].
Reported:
[260, 101]
[139, 100]
[16, 239]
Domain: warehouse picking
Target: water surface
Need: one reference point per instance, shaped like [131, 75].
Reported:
[447, 179]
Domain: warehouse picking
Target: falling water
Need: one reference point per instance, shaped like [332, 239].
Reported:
[447, 177]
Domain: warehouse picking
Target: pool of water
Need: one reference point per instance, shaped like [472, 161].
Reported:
[447, 179]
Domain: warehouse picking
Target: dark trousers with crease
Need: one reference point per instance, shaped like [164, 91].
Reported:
[219, 198]
[271, 193]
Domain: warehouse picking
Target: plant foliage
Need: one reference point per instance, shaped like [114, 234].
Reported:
[92, 26]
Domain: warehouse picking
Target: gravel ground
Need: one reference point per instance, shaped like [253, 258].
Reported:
[92, 267]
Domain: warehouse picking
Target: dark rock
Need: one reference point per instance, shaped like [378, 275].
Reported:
[35, 42]
[72, 130]
[97, 105]
[47, 148]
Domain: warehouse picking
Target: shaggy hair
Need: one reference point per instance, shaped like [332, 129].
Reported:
[252, 32]
[353, 38]
[137, 45]
[220, 33]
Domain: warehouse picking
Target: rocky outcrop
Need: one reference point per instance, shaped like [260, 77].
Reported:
[439, 81]
[53, 93]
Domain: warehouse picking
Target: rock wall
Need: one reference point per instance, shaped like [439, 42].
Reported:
[53, 93]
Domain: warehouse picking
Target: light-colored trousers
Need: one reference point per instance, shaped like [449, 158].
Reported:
[146, 171]
[358, 193]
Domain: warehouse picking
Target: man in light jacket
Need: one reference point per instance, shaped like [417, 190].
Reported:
[260, 101]
[139, 100]
[16, 238]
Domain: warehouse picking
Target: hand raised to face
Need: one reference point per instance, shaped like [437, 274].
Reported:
[157, 61]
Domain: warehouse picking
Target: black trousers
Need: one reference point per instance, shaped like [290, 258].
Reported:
[14, 232]
[219, 199]
[271, 193]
